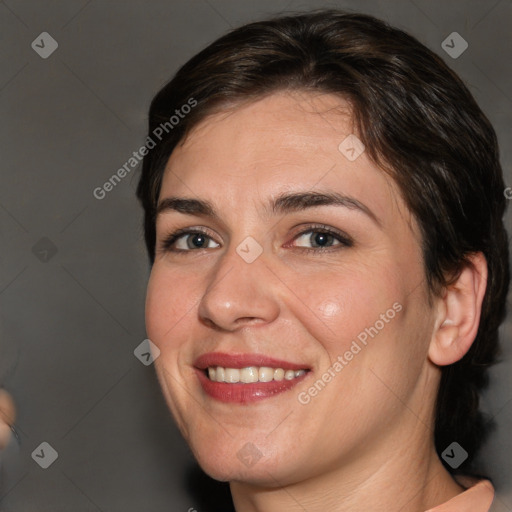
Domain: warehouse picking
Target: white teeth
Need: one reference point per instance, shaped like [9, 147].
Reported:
[278, 374]
[252, 374]
[266, 374]
[248, 375]
[232, 375]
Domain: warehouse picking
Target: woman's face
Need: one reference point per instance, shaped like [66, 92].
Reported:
[269, 287]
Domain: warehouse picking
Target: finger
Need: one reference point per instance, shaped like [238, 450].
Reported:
[7, 417]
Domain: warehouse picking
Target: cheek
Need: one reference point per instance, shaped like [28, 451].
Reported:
[330, 309]
[165, 305]
[337, 307]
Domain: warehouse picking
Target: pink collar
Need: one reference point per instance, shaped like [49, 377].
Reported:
[477, 497]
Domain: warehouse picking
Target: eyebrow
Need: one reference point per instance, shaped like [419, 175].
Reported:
[284, 203]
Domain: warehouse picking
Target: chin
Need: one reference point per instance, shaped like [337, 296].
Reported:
[249, 465]
[257, 475]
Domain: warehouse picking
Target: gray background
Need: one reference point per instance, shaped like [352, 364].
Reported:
[70, 321]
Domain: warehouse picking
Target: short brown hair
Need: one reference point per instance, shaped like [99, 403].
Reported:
[419, 123]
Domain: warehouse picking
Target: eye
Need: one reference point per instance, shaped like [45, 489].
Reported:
[184, 240]
[323, 238]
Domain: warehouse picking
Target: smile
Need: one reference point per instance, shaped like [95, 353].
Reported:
[252, 374]
[245, 378]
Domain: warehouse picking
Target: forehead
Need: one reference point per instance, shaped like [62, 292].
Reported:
[294, 121]
[286, 141]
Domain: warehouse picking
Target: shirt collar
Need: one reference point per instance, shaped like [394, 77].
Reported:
[477, 497]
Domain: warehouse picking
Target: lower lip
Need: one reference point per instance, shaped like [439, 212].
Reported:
[245, 393]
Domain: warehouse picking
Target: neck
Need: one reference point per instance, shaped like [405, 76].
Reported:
[394, 482]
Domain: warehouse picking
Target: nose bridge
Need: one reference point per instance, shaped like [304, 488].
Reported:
[239, 288]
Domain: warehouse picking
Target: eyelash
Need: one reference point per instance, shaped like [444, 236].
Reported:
[344, 240]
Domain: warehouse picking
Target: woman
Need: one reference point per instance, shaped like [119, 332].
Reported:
[323, 214]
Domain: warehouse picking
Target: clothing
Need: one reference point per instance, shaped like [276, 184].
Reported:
[478, 497]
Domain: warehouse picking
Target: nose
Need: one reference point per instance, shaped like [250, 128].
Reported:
[239, 294]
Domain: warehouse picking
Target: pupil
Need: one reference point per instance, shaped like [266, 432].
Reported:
[319, 237]
[196, 236]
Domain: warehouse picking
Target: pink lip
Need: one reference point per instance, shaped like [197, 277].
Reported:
[244, 393]
[244, 361]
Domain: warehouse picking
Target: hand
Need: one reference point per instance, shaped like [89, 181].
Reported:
[7, 417]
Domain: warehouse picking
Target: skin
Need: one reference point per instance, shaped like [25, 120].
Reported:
[7, 417]
[365, 442]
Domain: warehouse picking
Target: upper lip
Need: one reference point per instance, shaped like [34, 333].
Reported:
[244, 361]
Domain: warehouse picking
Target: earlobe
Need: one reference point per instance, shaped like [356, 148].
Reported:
[459, 313]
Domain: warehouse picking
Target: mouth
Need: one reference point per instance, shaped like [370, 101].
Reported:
[251, 374]
[245, 378]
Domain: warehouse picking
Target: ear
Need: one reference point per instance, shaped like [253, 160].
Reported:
[458, 313]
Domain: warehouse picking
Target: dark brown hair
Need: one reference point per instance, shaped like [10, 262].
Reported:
[419, 123]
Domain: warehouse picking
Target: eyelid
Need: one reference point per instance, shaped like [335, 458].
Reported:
[172, 237]
[343, 239]
[342, 236]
